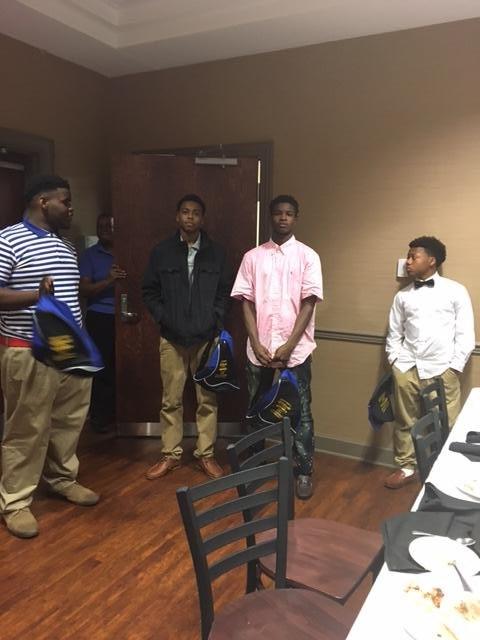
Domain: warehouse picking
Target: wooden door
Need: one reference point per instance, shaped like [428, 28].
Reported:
[12, 184]
[146, 189]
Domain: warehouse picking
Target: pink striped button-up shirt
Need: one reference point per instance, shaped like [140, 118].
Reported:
[276, 278]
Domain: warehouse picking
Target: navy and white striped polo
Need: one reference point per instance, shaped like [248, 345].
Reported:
[28, 254]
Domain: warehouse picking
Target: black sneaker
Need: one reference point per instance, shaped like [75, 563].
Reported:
[304, 487]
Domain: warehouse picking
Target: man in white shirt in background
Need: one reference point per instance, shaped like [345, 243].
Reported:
[431, 333]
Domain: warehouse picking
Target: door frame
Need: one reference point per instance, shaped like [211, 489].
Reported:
[262, 152]
[39, 151]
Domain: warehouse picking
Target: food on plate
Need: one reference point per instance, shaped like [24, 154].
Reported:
[430, 597]
[470, 610]
[462, 620]
[440, 616]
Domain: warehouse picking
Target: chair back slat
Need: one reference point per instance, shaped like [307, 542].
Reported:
[229, 482]
[434, 399]
[200, 547]
[268, 454]
[427, 441]
[272, 431]
[244, 530]
[251, 487]
[242, 557]
[236, 505]
[235, 451]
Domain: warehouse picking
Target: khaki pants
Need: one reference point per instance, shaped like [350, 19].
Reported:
[45, 411]
[408, 409]
[175, 362]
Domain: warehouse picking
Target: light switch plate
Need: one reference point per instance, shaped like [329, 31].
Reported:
[402, 268]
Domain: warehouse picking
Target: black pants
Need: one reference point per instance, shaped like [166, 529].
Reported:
[304, 437]
[101, 327]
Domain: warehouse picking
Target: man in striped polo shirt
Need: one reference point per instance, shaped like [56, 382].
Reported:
[44, 409]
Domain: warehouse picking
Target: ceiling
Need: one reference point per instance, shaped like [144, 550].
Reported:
[118, 37]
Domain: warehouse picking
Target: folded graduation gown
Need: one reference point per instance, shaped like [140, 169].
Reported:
[470, 451]
[439, 514]
[473, 437]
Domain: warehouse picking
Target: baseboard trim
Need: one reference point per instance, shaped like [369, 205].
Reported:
[366, 453]
[232, 430]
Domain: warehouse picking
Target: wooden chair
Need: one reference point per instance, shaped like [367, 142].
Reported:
[427, 440]
[433, 399]
[328, 557]
[272, 613]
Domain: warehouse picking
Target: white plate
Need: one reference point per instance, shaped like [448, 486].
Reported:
[471, 487]
[456, 616]
[436, 554]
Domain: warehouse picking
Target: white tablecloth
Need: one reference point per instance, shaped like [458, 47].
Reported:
[381, 617]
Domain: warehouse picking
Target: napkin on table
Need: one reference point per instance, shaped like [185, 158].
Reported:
[466, 518]
[397, 536]
[469, 450]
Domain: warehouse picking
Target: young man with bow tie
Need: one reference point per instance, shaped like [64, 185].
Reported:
[431, 333]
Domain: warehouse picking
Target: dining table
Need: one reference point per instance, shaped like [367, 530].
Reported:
[383, 615]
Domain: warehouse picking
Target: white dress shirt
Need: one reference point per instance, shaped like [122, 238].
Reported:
[431, 328]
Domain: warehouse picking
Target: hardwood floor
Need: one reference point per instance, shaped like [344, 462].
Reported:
[122, 569]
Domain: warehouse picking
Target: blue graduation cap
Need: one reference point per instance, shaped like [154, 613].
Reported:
[59, 342]
[281, 400]
[216, 371]
[380, 406]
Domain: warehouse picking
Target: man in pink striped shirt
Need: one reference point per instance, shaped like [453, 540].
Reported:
[279, 283]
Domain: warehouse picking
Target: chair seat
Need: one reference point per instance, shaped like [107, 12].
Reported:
[282, 614]
[325, 556]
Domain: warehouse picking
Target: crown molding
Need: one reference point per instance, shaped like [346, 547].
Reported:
[119, 37]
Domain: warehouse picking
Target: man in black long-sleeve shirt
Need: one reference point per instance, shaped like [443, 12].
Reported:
[186, 288]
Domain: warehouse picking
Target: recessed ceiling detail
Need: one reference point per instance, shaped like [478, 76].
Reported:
[117, 37]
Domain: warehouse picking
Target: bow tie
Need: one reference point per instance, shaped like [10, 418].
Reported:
[424, 283]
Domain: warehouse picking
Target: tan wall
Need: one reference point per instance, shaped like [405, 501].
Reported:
[344, 375]
[45, 96]
[378, 137]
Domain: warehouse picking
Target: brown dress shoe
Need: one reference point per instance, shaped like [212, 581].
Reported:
[162, 467]
[210, 467]
[399, 479]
